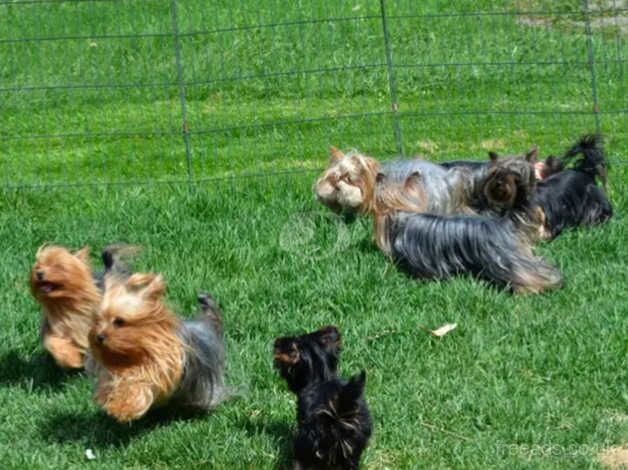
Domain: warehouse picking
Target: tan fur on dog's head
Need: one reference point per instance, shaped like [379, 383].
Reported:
[61, 280]
[136, 333]
[348, 183]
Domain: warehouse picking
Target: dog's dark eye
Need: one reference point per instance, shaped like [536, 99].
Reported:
[118, 322]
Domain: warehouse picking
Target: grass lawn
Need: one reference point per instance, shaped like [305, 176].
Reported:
[523, 382]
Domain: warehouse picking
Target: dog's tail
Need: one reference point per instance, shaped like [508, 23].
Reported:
[210, 310]
[350, 394]
[115, 257]
[532, 275]
[593, 161]
[203, 386]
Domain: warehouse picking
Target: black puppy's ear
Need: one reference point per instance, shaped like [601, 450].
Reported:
[329, 336]
[357, 382]
[351, 393]
[493, 156]
[532, 154]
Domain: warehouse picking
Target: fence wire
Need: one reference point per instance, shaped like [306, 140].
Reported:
[140, 91]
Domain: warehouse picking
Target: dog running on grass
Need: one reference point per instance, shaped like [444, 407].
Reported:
[69, 293]
[143, 355]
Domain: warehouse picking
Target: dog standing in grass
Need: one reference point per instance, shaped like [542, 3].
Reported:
[334, 423]
[565, 197]
[572, 198]
[348, 183]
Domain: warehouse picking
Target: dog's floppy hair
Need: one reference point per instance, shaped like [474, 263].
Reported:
[144, 356]
[202, 385]
[432, 246]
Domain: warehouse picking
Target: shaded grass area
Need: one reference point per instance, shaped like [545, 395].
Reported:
[524, 381]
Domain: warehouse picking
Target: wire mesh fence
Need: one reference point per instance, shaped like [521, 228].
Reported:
[128, 92]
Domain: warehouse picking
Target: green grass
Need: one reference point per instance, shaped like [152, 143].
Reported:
[523, 382]
[519, 376]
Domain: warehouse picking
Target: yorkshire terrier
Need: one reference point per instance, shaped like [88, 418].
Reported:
[456, 187]
[430, 246]
[144, 356]
[571, 198]
[309, 358]
[69, 293]
[348, 183]
[334, 423]
[566, 197]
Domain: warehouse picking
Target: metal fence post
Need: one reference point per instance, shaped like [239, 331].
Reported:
[591, 62]
[184, 114]
[391, 79]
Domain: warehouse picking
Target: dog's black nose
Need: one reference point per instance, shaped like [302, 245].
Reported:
[101, 337]
[40, 275]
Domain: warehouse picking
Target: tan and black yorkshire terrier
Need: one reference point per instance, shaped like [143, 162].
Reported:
[348, 183]
[69, 293]
[566, 194]
[456, 187]
[144, 356]
[63, 284]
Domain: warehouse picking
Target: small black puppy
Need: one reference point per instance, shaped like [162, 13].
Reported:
[334, 423]
[571, 197]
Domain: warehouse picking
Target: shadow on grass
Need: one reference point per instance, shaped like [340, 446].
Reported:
[281, 433]
[97, 430]
[367, 245]
[37, 372]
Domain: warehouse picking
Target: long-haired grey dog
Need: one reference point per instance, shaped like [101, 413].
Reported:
[429, 246]
[348, 183]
